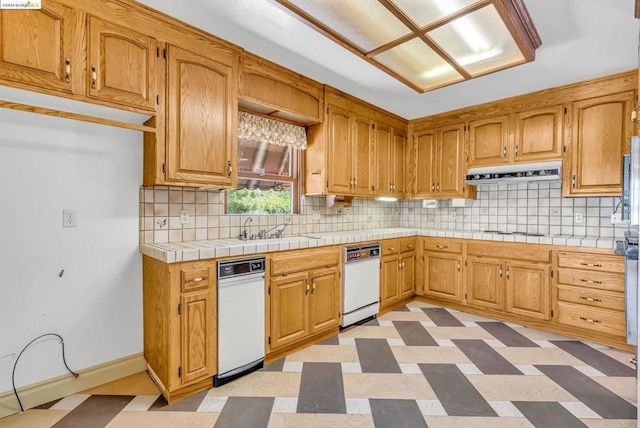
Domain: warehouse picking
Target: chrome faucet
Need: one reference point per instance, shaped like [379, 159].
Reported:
[279, 232]
[243, 233]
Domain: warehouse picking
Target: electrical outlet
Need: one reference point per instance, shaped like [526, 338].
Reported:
[578, 218]
[69, 218]
[616, 218]
[554, 211]
[484, 211]
[184, 216]
[315, 215]
[452, 215]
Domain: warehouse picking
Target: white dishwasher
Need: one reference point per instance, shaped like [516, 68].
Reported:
[240, 318]
[361, 283]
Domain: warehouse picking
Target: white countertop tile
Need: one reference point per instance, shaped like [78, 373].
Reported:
[173, 252]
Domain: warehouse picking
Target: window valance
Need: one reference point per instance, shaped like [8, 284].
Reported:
[273, 131]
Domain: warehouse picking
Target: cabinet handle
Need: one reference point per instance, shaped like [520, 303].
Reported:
[589, 264]
[355, 182]
[504, 152]
[588, 281]
[573, 181]
[67, 70]
[442, 247]
[438, 187]
[410, 246]
[230, 169]
[500, 271]
[508, 276]
[307, 283]
[433, 187]
[590, 299]
[198, 279]
[391, 249]
[313, 284]
[458, 266]
[590, 320]
[94, 77]
[516, 150]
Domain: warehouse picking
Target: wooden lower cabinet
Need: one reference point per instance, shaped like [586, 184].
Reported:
[180, 340]
[397, 270]
[528, 290]
[441, 269]
[485, 282]
[305, 295]
[590, 293]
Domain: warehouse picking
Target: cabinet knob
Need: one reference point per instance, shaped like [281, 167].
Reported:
[516, 150]
[230, 169]
[588, 281]
[590, 320]
[442, 247]
[198, 279]
[590, 299]
[67, 70]
[504, 152]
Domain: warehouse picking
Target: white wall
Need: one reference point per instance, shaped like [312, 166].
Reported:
[46, 165]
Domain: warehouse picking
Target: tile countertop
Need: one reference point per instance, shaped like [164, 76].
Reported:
[208, 249]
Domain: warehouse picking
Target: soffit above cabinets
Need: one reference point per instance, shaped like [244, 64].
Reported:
[427, 44]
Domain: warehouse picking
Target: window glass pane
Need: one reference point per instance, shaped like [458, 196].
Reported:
[260, 197]
[264, 158]
[480, 42]
[424, 12]
[366, 23]
[416, 62]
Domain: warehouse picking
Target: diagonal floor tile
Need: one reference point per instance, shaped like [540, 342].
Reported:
[548, 414]
[397, 414]
[595, 358]
[414, 334]
[375, 356]
[95, 411]
[321, 389]
[246, 412]
[486, 358]
[442, 318]
[507, 335]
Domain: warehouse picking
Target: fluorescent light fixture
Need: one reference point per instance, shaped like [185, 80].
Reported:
[386, 199]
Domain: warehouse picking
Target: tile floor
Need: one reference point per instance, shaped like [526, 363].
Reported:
[417, 366]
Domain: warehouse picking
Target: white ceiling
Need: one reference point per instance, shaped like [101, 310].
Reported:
[581, 39]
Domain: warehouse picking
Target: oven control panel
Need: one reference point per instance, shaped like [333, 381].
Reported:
[353, 254]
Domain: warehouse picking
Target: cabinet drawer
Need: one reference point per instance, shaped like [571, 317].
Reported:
[439, 244]
[584, 278]
[302, 260]
[407, 244]
[390, 246]
[591, 297]
[194, 279]
[593, 262]
[593, 319]
[510, 251]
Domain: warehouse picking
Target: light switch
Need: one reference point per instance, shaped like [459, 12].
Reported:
[69, 218]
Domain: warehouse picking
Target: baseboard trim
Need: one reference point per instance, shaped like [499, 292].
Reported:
[62, 386]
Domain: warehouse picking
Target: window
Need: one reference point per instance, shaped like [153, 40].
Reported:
[267, 179]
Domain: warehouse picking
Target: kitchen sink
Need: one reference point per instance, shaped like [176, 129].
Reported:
[283, 239]
[500, 232]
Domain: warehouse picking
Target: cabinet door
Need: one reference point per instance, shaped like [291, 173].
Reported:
[363, 156]
[289, 309]
[425, 147]
[538, 134]
[451, 146]
[202, 119]
[389, 274]
[408, 271]
[324, 302]
[485, 282]
[399, 162]
[600, 135]
[339, 152]
[198, 336]
[442, 276]
[528, 290]
[384, 149]
[43, 48]
[489, 141]
[121, 65]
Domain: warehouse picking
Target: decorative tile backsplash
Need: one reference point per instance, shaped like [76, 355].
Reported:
[533, 207]
[524, 207]
[160, 208]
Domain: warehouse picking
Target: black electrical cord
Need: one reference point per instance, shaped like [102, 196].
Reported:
[13, 374]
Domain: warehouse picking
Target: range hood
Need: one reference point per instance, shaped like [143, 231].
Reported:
[541, 171]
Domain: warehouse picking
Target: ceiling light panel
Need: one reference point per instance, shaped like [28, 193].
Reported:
[365, 23]
[479, 42]
[424, 12]
[416, 62]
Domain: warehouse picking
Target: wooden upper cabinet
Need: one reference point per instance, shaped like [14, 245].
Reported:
[363, 155]
[600, 134]
[43, 48]
[538, 134]
[450, 177]
[425, 153]
[121, 65]
[271, 89]
[489, 142]
[385, 158]
[399, 147]
[339, 156]
[201, 140]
